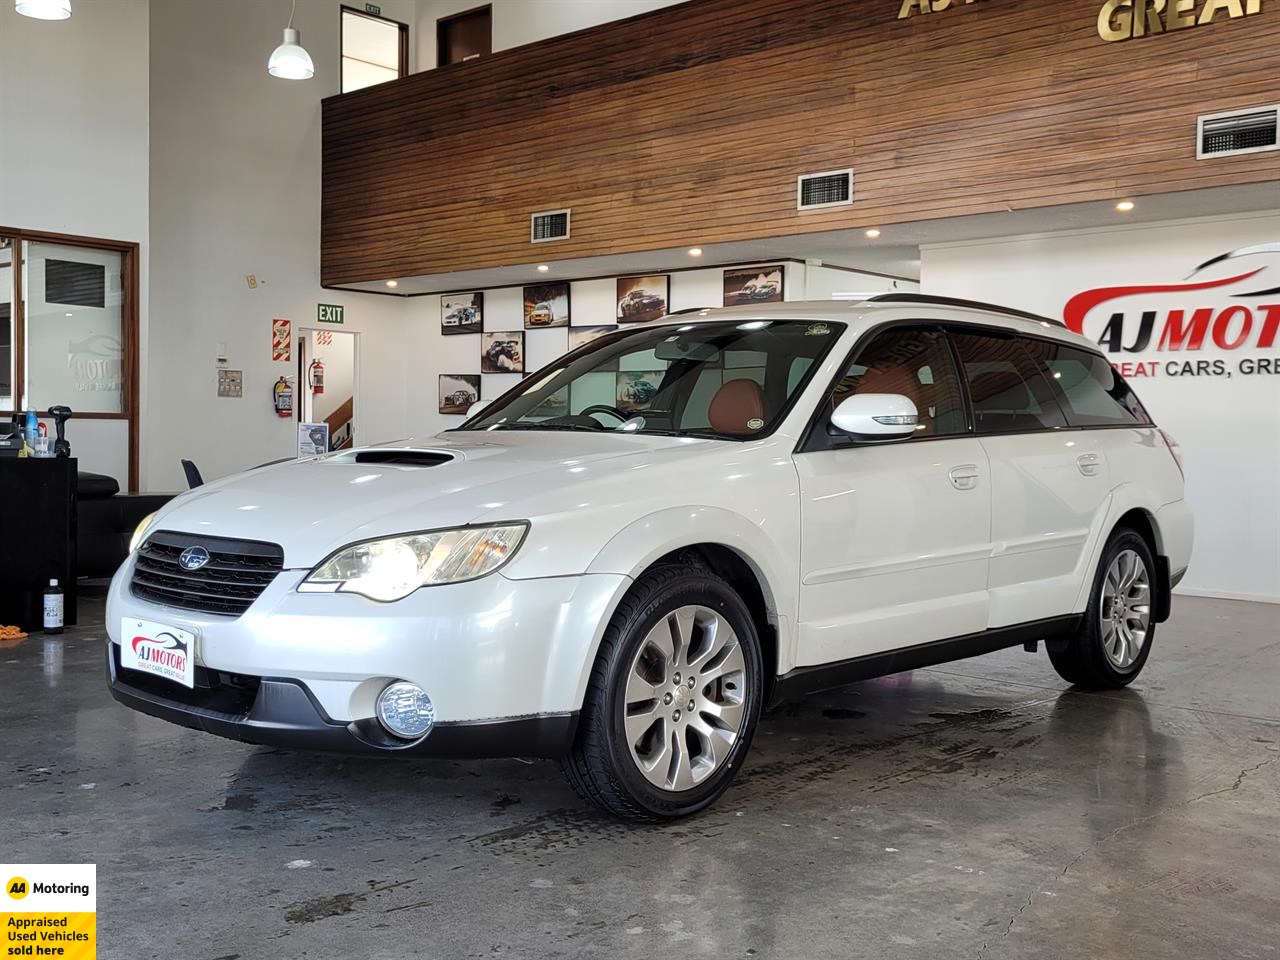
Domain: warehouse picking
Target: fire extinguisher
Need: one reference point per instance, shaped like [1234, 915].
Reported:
[282, 397]
[315, 377]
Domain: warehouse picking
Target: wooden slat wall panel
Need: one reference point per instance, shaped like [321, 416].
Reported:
[690, 124]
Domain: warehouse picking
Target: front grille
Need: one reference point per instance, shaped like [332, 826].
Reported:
[216, 690]
[235, 576]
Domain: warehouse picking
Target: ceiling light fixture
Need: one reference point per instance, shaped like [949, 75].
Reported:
[289, 61]
[543, 268]
[393, 283]
[44, 9]
[872, 233]
[1124, 206]
[695, 251]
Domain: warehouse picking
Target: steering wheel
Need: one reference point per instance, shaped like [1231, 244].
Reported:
[621, 416]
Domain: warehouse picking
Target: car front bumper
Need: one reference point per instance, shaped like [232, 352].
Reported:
[505, 663]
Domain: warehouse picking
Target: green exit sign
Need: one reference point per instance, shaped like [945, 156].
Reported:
[329, 312]
[373, 8]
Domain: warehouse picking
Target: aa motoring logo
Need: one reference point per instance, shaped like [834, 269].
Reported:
[164, 650]
[1239, 312]
[17, 887]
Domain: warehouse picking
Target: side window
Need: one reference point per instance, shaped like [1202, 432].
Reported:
[1093, 394]
[1008, 391]
[916, 363]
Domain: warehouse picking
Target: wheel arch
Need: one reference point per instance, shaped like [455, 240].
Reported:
[1128, 508]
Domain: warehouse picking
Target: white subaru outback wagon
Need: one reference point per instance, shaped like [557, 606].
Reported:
[623, 560]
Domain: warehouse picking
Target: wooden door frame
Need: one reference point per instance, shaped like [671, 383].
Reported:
[130, 288]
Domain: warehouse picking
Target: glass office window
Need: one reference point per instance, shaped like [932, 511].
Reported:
[7, 354]
[73, 330]
[374, 50]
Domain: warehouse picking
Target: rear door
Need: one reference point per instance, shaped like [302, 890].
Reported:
[1050, 484]
[894, 535]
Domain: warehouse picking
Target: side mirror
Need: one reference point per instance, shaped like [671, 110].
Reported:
[876, 416]
[477, 407]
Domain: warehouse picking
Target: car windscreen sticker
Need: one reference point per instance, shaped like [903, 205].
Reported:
[817, 330]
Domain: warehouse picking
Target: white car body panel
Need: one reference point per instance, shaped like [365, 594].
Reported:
[857, 552]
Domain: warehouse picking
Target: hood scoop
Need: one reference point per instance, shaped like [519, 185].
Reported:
[402, 458]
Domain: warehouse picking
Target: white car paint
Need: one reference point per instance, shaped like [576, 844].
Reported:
[857, 551]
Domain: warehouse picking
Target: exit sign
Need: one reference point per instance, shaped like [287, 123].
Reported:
[329, 312]
[373, 8]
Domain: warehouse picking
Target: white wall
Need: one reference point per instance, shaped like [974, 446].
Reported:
[74, 151]
[1228, 424]
[517, 22]
[235, 190]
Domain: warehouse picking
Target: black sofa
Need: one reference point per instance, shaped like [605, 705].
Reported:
[106, 519]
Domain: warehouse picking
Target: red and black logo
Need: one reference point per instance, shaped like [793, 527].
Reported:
[164, 650]
[1253, 325]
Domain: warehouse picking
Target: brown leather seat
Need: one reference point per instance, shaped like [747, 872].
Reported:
[737, 408]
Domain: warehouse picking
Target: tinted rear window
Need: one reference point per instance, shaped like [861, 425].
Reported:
[1008, 390]
[1092, 394]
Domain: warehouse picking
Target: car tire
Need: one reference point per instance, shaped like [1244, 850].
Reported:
[1115, 639]
[668, 769]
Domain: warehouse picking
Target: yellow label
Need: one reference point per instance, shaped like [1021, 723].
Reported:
[67, 936]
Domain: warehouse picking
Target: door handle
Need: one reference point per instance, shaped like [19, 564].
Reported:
[964, 477]
[1089, 464]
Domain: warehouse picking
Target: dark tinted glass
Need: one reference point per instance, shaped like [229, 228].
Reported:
[915, 363]
[1092, 392]
[1008, 391]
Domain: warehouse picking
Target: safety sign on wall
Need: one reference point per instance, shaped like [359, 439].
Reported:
[49, 910]
[281, 340]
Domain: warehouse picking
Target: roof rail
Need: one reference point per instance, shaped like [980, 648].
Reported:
[958, 302]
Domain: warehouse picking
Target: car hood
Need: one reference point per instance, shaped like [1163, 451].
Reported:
[312, 507]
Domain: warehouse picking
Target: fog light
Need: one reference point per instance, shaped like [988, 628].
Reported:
[406, 710]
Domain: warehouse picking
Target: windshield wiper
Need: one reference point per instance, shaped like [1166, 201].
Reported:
[548, 426]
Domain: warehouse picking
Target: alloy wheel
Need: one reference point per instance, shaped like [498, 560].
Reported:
[684, 703]
[1125, 612]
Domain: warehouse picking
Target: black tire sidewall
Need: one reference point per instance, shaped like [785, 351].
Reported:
[713, 593]
[1120, 541]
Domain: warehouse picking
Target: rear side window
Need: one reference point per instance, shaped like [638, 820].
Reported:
[1092, 393]
[1008, 391]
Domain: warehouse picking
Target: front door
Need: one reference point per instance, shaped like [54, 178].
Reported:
[895, 536]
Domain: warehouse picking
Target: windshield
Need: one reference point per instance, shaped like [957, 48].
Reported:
[729, 379]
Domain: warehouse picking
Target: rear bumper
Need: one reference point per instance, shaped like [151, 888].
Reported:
[283, 713]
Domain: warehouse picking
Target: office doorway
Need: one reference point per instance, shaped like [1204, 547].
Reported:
[328, 367]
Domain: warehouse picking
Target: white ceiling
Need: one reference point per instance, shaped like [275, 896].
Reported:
[896, 252]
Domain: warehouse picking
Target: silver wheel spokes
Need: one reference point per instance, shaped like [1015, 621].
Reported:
[684, 698]
[1125, 613]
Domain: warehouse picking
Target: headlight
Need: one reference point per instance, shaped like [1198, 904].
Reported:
[395, 567]
[140, 531]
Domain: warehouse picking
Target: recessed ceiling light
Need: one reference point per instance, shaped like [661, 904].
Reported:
[1124, 206]
[695, 251]
[543, 268]
[872, 233]
[67, 314]
[392, 283]
[44, 9]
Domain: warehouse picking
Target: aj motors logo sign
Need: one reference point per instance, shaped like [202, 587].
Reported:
[165, 653]
[1180, 318]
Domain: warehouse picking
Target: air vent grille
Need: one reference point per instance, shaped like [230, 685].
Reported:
[549, 225]
[831, 189]
[1250, 131]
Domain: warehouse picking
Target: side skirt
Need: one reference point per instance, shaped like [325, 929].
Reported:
[803, 681]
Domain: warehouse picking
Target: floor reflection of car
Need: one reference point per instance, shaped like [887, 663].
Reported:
[757, 291]
[894, 482]
[641, 305]
[541, 315]
[503, 356]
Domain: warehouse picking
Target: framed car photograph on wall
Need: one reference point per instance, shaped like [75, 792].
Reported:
[461, 313]
[642, 298]
[744, 285]
[458, 391]
[546, 305]
[502, 352]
